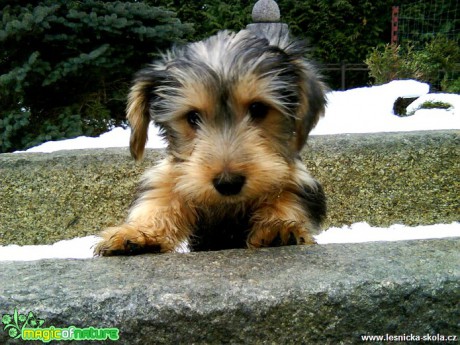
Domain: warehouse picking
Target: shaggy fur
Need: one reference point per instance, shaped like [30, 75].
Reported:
[236, 110]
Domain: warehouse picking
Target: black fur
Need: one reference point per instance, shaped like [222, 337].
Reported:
[227, 233]
[232, 231]
[314, 202]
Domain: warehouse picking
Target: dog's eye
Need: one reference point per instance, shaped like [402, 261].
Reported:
[258, 110]
[193, 118]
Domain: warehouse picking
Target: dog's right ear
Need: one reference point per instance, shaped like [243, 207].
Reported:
[138, 111]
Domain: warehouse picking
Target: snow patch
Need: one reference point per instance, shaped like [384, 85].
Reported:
[82, 248]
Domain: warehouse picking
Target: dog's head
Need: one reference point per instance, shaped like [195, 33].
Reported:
[235, 108]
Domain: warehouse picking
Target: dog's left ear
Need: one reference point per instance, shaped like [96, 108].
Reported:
[138, 111]
[312, 101]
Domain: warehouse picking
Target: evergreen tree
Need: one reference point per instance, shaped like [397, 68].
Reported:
[65, 66]
[340, 30]
[208, 17]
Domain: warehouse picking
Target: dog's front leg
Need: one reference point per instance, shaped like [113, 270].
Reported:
[281, 221]
[162, 231]
[159, 220]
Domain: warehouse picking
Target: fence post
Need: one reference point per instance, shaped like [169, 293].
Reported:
[394, 24]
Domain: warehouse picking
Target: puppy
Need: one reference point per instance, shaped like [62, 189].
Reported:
[235, 110]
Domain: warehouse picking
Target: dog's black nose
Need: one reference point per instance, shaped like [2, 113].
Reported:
[229, 184]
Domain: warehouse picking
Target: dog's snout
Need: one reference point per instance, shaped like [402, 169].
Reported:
[229, 184]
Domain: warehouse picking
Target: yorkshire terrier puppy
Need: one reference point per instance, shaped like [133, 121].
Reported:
[236, 110]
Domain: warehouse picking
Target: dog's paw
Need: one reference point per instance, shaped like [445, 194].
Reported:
[279, 234]
[127, 240]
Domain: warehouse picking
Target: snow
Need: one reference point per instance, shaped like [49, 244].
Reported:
[361, 110]
[77, 248]
[82, 247]
[117, 137]
[363, 232]
[370, 110]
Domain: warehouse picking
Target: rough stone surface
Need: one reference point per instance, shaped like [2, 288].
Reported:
[290, 295]
[265, 11]
[269, 29]
[383, 179]
[49, 197]
[387, 178]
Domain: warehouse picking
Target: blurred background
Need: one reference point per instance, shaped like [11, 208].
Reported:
[66, 66]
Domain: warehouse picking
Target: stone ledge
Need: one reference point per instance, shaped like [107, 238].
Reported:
[383, 179]
[290, 295]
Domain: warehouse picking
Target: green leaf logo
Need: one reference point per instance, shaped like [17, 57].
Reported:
[14, 324]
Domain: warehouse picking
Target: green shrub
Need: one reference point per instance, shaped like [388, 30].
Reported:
[439, 61]
[431, 105]
[435, 105]
[387, 63]
[436, 63]
[451, 86]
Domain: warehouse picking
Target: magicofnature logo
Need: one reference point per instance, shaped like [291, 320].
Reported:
[28, 327]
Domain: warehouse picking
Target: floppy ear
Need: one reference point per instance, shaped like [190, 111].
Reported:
[138, 111]
[312, 102]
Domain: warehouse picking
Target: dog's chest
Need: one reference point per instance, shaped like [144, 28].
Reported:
[217, 233]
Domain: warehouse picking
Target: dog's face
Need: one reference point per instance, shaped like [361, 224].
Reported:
[236, 110]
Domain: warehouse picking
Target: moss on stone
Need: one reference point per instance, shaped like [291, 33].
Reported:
[48, 197]
[383, 179]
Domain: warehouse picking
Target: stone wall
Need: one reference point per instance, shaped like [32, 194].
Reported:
[383, 179]
[328, 294]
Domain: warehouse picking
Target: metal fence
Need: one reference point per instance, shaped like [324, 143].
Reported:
[344, 69]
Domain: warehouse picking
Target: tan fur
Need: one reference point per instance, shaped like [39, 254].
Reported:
[139, 118]
[282, 217]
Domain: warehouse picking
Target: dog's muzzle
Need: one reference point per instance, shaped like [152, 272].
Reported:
[229, 183]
